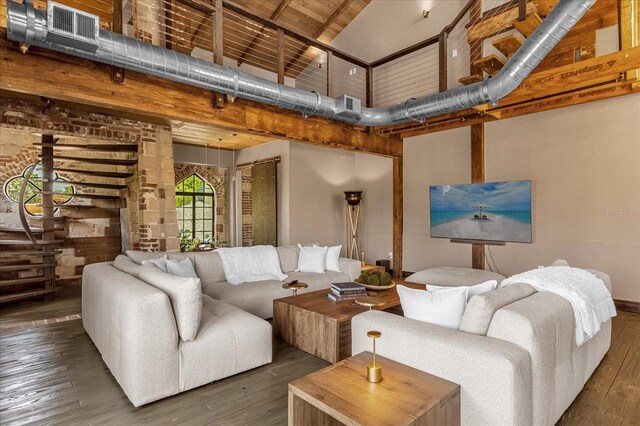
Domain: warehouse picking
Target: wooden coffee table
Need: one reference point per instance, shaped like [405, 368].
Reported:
[341, 394]
[313, 323]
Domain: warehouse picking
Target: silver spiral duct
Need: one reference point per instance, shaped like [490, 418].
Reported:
[52, 30]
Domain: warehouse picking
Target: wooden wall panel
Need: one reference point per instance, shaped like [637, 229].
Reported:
[264, 199]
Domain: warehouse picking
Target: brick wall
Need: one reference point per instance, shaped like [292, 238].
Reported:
[148, 221]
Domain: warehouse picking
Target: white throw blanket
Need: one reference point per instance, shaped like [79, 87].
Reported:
[247, 264]
[592, 304]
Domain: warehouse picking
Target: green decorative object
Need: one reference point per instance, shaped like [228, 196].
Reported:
[363, 278]
[374, 280]
[385, 279]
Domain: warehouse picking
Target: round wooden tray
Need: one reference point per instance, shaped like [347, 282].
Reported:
[378, 287]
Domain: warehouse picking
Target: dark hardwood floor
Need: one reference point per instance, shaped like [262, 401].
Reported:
[53, 374]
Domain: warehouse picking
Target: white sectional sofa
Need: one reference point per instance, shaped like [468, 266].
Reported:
[514, 356]
[136, 328]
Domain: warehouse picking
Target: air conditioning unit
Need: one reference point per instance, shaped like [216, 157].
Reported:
[348, 107]
[71, 27]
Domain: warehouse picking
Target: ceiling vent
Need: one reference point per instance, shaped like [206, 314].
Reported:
[72, 27]
[348, 107]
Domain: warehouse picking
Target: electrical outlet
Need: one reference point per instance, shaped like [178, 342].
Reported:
[352, 71]
[454, 53]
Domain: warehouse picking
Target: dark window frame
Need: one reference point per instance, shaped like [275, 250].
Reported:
[195, 195]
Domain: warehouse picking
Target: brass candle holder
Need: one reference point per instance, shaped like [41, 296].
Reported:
[374, 371]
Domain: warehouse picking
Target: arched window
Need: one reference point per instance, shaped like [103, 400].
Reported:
[196, 203]
[32, 197]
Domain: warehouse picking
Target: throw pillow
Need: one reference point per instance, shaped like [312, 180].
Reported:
[311, 259]
[182, 268]
[333, 258]
[473, 290]
[185, 296]
[160, 262]
[444, 307]
[560, 262]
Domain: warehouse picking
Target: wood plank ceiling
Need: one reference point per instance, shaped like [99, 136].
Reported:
[197, 134]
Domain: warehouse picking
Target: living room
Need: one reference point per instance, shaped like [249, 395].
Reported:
[111, 171]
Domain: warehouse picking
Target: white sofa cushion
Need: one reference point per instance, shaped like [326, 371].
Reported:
[444, 307]
[160, 262]
[481, 309]
[251, 264]
[473, 290]
[181, 268]
[312, 259]
[288, 256]
[333, 259]
[185, 295]
[451, 276]
[229, 341]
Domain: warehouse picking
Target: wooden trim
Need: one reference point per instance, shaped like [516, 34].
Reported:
[522, 10]
[218, 32]
[478, 175]
[627, 306]
[369, 87]
[329, 73]
[277, 159]
[281, 53]
[398, 216]
[406, 51]
[460, 15]
[442, 63]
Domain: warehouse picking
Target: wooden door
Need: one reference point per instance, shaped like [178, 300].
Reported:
[264, 200]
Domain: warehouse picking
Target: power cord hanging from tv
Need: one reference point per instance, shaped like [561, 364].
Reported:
[491, 268]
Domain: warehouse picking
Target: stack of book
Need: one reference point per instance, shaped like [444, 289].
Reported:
[341, 292]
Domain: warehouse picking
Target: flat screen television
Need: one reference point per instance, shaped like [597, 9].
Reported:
[493, 211]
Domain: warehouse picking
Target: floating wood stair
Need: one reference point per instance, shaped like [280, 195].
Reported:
[527, 26]
[77, 195]
[90, 184]
[30, 280]
[102, 161]
[29, 242]
[92, 147]
[26, 267]
[14, 297]
[491, 64]
[470, 79]
[507, 45]
[34, 230]
[34, 253]
[119, 175]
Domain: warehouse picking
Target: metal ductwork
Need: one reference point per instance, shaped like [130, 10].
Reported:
[77, 33]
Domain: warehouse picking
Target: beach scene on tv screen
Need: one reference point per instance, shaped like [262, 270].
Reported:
[496, 211]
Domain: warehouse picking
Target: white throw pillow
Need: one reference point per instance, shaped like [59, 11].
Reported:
[182, 268]
[311, 259]
[444, 307]
[473, 290]
[333, 259]
[160, 262]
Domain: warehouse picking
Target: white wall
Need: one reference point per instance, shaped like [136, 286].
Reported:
[402, 22]
[433, 159]
[584, 165]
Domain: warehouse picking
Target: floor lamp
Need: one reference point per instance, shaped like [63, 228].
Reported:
[354, 219]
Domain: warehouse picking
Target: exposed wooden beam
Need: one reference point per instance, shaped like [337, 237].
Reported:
[398, 216]
[117, 73]
[629, 28]
[274, 16]
[160, 99]
[218, 32]
[442, 62]
[281, 52]
[498, 23]
[341, 8]
[478, 167]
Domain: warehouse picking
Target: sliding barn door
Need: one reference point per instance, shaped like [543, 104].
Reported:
[264, 201]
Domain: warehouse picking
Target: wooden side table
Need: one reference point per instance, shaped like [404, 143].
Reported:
[371, 268]
[341, 394]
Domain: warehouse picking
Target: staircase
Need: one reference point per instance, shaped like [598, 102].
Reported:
[28, 253]
[508, 45]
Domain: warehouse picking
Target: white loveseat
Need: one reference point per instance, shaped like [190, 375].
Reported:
[135, 328]
[514, 356]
